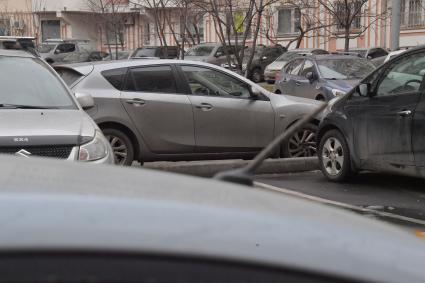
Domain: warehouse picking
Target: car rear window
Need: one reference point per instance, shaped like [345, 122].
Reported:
[69, 76]
[115, 77]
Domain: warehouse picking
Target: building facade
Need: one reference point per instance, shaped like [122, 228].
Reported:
[131, 25]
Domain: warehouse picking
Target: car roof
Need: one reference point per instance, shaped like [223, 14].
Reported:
[307, 50]
[115, 64]
[15, 53]
[77, 207]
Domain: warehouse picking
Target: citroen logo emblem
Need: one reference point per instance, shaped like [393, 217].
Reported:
[23, 153]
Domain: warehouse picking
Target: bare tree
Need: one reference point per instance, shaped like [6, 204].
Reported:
[111, 18]
[349, 18]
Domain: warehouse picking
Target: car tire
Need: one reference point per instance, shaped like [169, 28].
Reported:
[122, 146]
[277, 91]
[333, 150]
[256, 75]
[301, 144]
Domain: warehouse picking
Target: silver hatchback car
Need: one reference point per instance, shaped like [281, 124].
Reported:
[40, 117]
[153, 110]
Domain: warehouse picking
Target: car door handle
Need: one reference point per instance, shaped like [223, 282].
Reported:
[404, 113]
[205, 106]
[297, 83]
[136, 102]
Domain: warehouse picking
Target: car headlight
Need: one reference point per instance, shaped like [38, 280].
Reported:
[338, 92]
[95, 149]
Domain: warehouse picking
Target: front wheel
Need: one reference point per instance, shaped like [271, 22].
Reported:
[302, 143]
[334, 156]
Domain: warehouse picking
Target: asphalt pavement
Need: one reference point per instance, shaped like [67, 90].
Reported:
[399, 200]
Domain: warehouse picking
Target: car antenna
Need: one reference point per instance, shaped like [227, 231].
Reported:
[245, 175]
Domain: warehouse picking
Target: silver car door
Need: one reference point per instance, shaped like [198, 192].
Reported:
[162, 115]
[227, 119]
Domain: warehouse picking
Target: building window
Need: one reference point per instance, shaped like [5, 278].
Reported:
[412, 13]
[115, 35]
[239, 24]
[195, 26]
[4, 27]
[288, 21]
[147, 34]
[352, 7]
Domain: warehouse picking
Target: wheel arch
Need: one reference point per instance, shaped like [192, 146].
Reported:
[127, 131]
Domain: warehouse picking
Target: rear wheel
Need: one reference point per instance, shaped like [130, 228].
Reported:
[302, 143]
[334, 156]
[121, 145]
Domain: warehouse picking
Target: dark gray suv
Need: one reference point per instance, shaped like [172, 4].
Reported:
[322, 77]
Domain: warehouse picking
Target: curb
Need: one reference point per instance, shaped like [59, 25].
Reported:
[210, 168]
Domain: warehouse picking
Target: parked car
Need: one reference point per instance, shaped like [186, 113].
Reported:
[107, 224]
[40, 115]
[263, 56]
[120, 55]
[379, 125]
[274, 68]
[181, 110]
[322, 77]
[55, 50]
[213, 53]
[370, 53]
[84, 56]
[17, 42]
[160, 52]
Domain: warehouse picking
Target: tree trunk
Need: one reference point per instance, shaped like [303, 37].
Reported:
[347, 39]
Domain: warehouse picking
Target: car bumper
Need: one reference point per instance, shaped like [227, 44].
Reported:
[108, 159]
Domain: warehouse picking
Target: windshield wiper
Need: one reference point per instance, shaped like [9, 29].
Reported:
[17, 106]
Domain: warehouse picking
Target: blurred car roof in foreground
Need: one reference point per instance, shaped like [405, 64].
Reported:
[48, 205]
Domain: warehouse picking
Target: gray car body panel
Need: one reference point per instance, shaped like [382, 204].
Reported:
[145, 212]
[48, 127]
[164, 132]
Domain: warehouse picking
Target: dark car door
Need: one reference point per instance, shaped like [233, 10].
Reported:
[383, 124]
[290, 78]
[304, 87]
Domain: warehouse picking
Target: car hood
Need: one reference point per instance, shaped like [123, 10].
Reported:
[344, 85]
[42, 127]
[276, 65]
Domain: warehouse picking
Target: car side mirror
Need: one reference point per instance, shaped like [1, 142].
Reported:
[255, 93]
[364, 89]
[85, 100]
[310, 76]
[57, 51]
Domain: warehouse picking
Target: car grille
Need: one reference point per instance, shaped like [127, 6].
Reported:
[61, 152]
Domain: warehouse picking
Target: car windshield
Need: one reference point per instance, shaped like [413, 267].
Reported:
[46, 48]
[345, 69]
[41, 88]
[146, 52]
[200, 51]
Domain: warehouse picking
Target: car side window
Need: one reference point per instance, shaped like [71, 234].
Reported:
[403, 76]
[308, 67]
[156, 79]
[65, 48]
[288, 68]
[296, 67]
[205, 81]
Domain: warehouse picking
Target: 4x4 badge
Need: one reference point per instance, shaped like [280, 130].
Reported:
[23, 153]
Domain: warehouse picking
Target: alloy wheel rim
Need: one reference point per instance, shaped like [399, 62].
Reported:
[302, 144]
[119, 148]
[333, 156]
